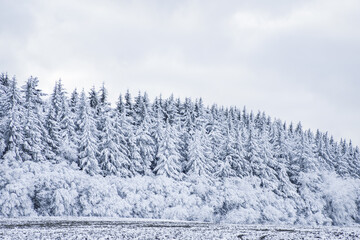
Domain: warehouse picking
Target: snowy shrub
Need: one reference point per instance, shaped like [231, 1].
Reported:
[16, 192]
[341, 196]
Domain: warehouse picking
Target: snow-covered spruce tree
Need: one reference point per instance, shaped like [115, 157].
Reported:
[74, 101]
[199, 163]
[143, 145]
[138, 109]
[129, 109]
[122, 128]
[104, 124]
[74, 106]
[303, 161]
[10, 125]
[140, 143]
[120, 105]
[224, 169]
[187, 127]
[94, 99]
[170, 111]
[53, 125]
[227, 155]
[87, 150]
[34, 131]
[269, 179]
[217, 139]
[4, 85]
[108, 149]
[239, 150]
[168, 157]
[200, 114]
[344, 155]
[60, 126]
[253, 154]
[282, 157]
[323, 161]
[353, 160]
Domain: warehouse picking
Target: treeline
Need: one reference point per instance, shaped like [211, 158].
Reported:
[164, 137]
[75, 155]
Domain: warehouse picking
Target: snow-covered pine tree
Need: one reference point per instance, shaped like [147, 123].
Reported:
[94, 99]
[108, 149]
[239, 151]
[103, 109]
[74, 106]
[60, 126]
[129, 108]
[187, 127]
[269, 180]
[217, 139]
[34, 131]
[282, 156]
[253, 153]
[4, 85]
[200, 156]
[74, 101]
[227, 152]
[138, 109]
[88, 138]
[123, 128]
[120, 105]
[53, 125]
[200, 113]
[343, 159]
[168, 157]
[170, 111]
[143, 145]
[303, 161]
[10, 125]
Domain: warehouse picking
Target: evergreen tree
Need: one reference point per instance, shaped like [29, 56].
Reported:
[88, 138]
[11, 128]
[168, 157]
[304, 159]
[120, 105]
[129, 108]
[93, 99]
[74, 101]
[144, 146]
[4, 88]
[200, 155]
[60, 126]
[224, 168]
[108, 149]
[138, 109]
[170, 110]
[253, 155]
[227, 152]
[123, 130]
[34, 131]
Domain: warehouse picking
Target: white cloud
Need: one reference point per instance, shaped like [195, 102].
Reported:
[297, 60]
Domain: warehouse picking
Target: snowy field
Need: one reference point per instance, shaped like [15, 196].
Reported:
[107, 228]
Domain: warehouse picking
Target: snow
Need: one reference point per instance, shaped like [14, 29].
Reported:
[116, 228]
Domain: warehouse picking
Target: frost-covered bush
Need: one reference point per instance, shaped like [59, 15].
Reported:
[342, 199]
[46, 189]
[16, 191]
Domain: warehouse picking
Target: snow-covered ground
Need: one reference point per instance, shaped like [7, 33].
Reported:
[111, 228]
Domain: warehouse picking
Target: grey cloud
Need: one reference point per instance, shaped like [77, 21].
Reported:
[296, 60]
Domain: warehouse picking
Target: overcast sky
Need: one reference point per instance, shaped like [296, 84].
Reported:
[295, 60]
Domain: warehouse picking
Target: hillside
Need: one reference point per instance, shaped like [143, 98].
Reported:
[75, 155]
